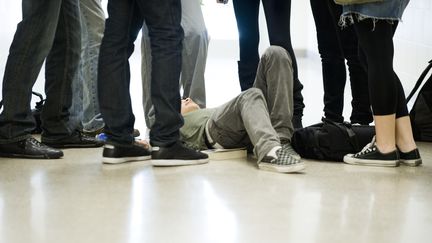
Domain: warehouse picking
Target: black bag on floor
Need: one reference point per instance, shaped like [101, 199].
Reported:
[331, 140]
[421, 112]
[36, 112]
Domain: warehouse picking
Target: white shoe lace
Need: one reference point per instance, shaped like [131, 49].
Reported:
[370, 147]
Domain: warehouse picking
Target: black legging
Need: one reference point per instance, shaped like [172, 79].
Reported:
[277, 14]
[385, 89]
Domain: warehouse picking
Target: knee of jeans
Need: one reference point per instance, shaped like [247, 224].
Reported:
[252, 93]
[277, 52]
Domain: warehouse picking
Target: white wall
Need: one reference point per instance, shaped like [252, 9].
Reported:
[413, 40]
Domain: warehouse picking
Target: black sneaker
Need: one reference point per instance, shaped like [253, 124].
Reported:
[287, 161]
[411, 158]
[114, 154]
[177, 154]
[370, 155]
[29, 148]
[76, 140]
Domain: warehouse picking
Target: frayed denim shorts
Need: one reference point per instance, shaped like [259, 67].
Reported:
[390, 10]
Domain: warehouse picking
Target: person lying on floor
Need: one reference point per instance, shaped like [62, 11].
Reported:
[259, 117]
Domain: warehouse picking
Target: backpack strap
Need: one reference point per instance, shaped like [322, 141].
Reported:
[419, 81]
[346, 128]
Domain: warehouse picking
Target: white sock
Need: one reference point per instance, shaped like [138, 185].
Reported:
[272, 152]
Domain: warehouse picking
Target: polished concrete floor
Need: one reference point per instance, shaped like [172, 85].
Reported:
[77, 199]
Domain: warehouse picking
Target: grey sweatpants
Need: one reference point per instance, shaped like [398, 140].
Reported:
[260, 116]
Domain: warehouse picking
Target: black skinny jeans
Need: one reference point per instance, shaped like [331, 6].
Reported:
[277, 14]
[385, 89]
[336, 45]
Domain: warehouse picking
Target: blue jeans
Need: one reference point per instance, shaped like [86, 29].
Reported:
[49, 30]
[125, 20]
[85, 112]
[336, 45]
[194, 57]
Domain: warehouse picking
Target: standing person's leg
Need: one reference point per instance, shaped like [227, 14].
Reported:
[31, 44]
[146, 60]
[122, 27]
[361, 111]
[246, 13]
[195, 45]
[275, 80]
[387, 97]
[278, 16]
[60, 69]
[332, 59]
[84, 112]
[166, 35]
[94, 20]
[194, 57]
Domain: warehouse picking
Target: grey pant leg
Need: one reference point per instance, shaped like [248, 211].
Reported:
[195, 47]
[243, 121]
[275, 79]
[193, 61]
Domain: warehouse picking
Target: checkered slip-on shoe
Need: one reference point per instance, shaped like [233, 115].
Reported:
[370, 155]
[287, 161]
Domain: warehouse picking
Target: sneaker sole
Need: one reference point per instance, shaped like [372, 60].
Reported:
[282, 168]
[370, 162]
[411, 162]
[110, 160]
[26, 156]
[66, 146]
[178, 162]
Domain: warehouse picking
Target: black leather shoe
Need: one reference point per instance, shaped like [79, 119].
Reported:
[29, 148]
[77, 140]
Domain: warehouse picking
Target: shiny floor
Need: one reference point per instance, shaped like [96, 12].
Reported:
[78, 200]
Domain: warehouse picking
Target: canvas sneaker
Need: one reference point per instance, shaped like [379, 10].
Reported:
[287, 161]
[177, 154]
[370, 155]
[411, 158]
[114, 154]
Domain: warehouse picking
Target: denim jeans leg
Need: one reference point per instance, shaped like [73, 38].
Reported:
[61, 67]
[31, 44]
[121, 30]
[93, 18]
[166, 35]
[194, 56]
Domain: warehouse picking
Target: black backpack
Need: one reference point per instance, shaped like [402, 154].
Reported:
[421, 112]
[331, 140]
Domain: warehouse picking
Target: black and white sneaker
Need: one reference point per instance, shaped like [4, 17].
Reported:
[287, 161]
[411, 158]
[370, 155]
[114, 154]
[177, 154]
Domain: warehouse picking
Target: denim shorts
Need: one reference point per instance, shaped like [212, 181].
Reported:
[390, 10]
